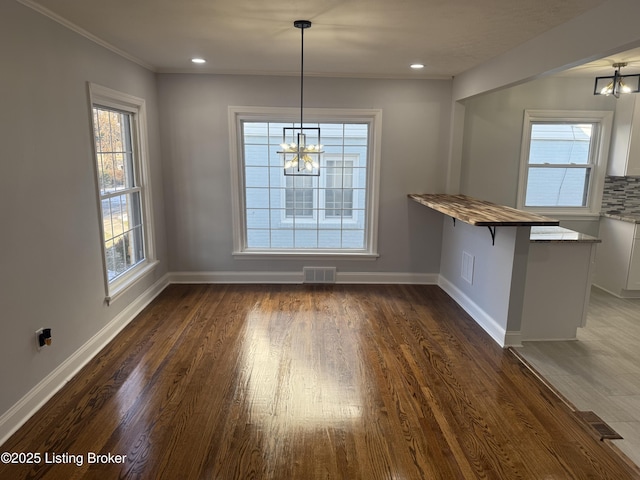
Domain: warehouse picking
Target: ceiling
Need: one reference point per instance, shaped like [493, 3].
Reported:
[367, 38]
[604, 66]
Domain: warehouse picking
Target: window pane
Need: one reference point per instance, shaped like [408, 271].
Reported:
[560, 143]
[257, 197]
[306, 239]
[257, 218]
[330, 239]
[356, 134]
[258, 238]
[110, 259]
[257, 176]
[256, 155]
[256, 133]
[557, 187]
[282, 238]
[353, 239]
[116, 256]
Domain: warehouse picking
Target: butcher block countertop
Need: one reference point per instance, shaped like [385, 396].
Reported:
[480, 212]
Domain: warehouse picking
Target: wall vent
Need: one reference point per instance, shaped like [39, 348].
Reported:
[319, 274]
[467, 267]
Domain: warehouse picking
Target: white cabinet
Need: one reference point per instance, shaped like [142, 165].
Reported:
[557, 290]
[618, 258]
[633, 279]
[624, 154]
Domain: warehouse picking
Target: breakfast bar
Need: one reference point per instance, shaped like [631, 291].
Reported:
[507, 278]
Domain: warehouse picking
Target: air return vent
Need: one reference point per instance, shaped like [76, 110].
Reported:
[319, 274]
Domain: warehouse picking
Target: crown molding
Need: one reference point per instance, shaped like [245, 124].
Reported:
[81, 31]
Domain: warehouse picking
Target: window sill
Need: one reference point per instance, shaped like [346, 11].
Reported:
[304, 255]
[116, 289]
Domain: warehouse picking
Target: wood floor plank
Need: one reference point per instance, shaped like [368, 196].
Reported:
[310, 382]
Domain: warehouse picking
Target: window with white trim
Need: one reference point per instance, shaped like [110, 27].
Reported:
[563, 161]
[121, 166]
[334, 212]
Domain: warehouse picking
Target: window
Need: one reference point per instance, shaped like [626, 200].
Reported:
[338, 200]
[121, 170]
[334, 213]
[564, 158]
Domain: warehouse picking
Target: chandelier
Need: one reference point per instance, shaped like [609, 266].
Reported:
[617, 84]
[301, 146]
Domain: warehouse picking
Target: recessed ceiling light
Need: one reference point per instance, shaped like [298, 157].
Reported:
[198, 60]
[417, 66]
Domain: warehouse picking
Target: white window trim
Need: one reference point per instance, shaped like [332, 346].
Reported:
[594, 202]
[106, 97]
[237, 114]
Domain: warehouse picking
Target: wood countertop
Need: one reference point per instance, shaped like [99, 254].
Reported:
[480, 212]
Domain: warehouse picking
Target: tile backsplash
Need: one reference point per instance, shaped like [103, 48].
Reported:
[621, 195]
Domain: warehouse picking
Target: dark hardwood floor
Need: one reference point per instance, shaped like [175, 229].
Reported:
[307, 382]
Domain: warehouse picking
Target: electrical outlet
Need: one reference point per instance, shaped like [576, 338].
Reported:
[43, 337]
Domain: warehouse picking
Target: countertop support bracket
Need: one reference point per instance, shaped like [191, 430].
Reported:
[493, 234]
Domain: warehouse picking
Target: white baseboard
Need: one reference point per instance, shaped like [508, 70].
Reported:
[235, 277]
[621, 293]
[387, 278]
[297, 277]
[513, 339]
[482, 318]
[17, 415]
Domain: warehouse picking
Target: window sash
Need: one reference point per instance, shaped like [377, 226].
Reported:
[578, 196]
[120, 193]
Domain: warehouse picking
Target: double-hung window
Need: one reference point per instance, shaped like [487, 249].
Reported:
[333, 213]
[563, 161]
[119, 128]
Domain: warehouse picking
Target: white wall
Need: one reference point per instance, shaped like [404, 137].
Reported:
[493, 292]
[195, 144]
[493, 134]
[50, 253]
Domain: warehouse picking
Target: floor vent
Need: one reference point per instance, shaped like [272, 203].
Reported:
[319, 274]
[594, 421]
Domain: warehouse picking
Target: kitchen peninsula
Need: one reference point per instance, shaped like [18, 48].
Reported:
[515, 292]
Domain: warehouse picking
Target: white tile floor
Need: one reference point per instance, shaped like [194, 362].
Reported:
[600, 371]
